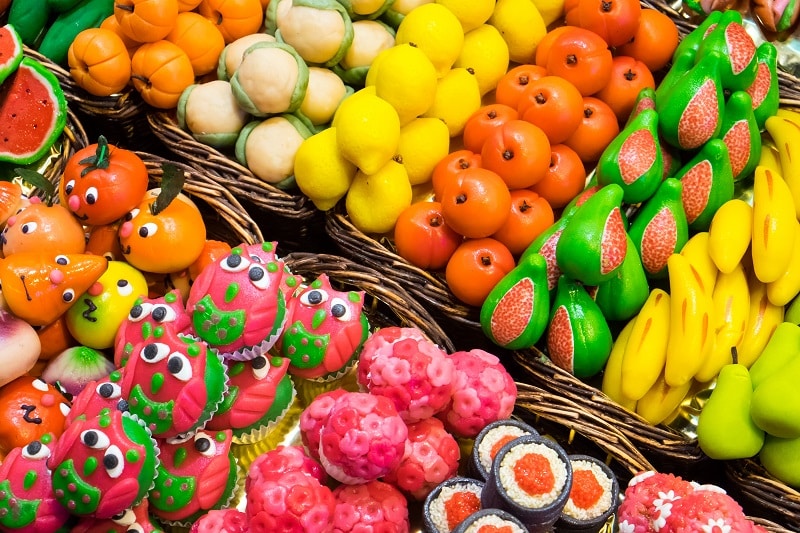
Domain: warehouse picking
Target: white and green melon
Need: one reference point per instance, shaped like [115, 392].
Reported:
[211, 113]
[370, 38]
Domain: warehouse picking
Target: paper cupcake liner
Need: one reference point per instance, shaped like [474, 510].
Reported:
[308, 389]
[285, 433]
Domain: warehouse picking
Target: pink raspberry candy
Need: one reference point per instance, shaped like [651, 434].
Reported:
[372, 507]
[281, 460]
[291, 501]
[648, 501]
[707, 510]
[363, 439]
[381, 341]
[414, 373]
[221, 521]
[483, 392]
[432, 456]
[313, 418]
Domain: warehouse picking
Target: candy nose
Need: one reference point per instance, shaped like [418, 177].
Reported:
[74, 203]
[96, 289]
[126, 229]
[11, 220]
[56, 276]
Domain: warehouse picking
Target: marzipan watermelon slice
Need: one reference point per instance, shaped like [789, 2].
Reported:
[33, 113]
[10, 51]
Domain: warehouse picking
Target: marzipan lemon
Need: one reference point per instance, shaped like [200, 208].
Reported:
[320, 171]
[375, 201]
[407, 80]
[368, 130]
[470, 13]
[423, 143]
[522, 27]
[457, 98]
[486, 53]
[435, 30]
[550, 10]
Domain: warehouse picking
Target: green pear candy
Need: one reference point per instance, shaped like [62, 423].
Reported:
[725, 430]
[514, 314]
[782, 346]
[633, 159]
[764, 91]
[691, 42]
[660, 228]
[594, 242]
[690, 110]
[681, 64]
[781, 458]
[707, 182]
[578, 337]
[740, 133]
[621, 297]
[776, 402]
[793, 311]
[731, 40]
[646, 99]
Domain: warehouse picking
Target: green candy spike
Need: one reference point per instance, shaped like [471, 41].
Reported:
[579, 339]
[707, 184]
[621, 297]
[740, 133]
[764, 91]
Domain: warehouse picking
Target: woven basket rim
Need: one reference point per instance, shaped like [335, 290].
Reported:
[763, 491]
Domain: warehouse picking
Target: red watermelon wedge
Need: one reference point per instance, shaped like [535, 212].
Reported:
[10, 51]
[33, 113]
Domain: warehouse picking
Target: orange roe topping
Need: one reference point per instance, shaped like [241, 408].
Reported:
[494, 529]
[534, 474]
[586, 490]
[460, 506]
[502, 441]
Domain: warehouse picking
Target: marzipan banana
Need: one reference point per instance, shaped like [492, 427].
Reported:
[789, 114]
[729, 234]
[731, 299]
[696, 250]
[612, 375]
[785, 288]
[786, 134]
[774, 222]
[762, 319]
[661, 400]
[691, 335]
[770, 157]
[646, 350]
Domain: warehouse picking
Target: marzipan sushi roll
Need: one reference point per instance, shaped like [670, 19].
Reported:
[491, 438]
[450, 503]
[593, 498]
[489, 521]
[531, 478]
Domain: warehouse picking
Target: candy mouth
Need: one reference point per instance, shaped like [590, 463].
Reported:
[72, 491]
[15, 512]
[88, 313]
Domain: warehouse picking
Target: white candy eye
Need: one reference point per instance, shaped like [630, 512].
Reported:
[260, 366]
[68, 295]
[39, 385]
[163, 313]
[154, 352]
[125, 518]
[180, 439]
[29, 227]
[35, 450]
[124, 287]
[204, 444]
[314, 297]
[135, 528]
[62, 260]
[140, 311]
[258, 276]
[133, 213]
[70, 185]
[95, 439]
[234, 263]
[180, 367]
[91, 195]
[108, 390]
[148, 230]
[340, 310]
[113, 461]
[64, 408]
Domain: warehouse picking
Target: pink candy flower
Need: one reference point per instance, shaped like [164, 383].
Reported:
[314, 417]
[290, 501]
[221, 521]
[281, 460]
[372, 507]
[706, 511]
[649, 500]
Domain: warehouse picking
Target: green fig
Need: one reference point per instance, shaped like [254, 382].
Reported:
[692, 41]
[781, 458]
[776, 402]
[782, 346]
[621, 297]
[764, 91]
[594, 242]
[646, 99]
[660, 228]
[707, 182]
[731, 40]
[724, 428]
[681, 64]
[740, 133]
[578, 337]
[633, 159]
[545, 245]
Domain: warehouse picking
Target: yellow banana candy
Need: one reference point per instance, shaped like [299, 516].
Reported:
[785, 132]
[762, 319]
[661, 400]
[770, 157]
[646, 349]
[696, 250]
[731, 299]
[691, 336]
[729, 234]
[612, 375]
[785, 288]
[774, 222]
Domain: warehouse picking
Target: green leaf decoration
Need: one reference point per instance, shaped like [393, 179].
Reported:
[172, 181]
[35, 179]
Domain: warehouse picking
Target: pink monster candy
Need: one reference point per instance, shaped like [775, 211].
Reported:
[290, 501]
[415, 374]
[221, 521]
[431, 456]
[314, 417]
[706, 510]
[28, 504]
[98, 395]
[648, 501]
[281, 460]
[147, 319]
[363, 439]
[237, 304]
[372, 507]
[133, 520]
[483, 392]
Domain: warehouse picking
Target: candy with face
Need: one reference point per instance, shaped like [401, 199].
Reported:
[197, 474]
[237, 304]
[325, 331]
[41, 227]
[97, 314]
[39, 287]
[133, 520]
[148, 318]
[98, 395]
[103, 465]
[259, 392]
[30, 409]
[27, 502]
[173, 383]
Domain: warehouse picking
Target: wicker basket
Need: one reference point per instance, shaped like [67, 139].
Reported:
[288, 217]
[770, 498]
